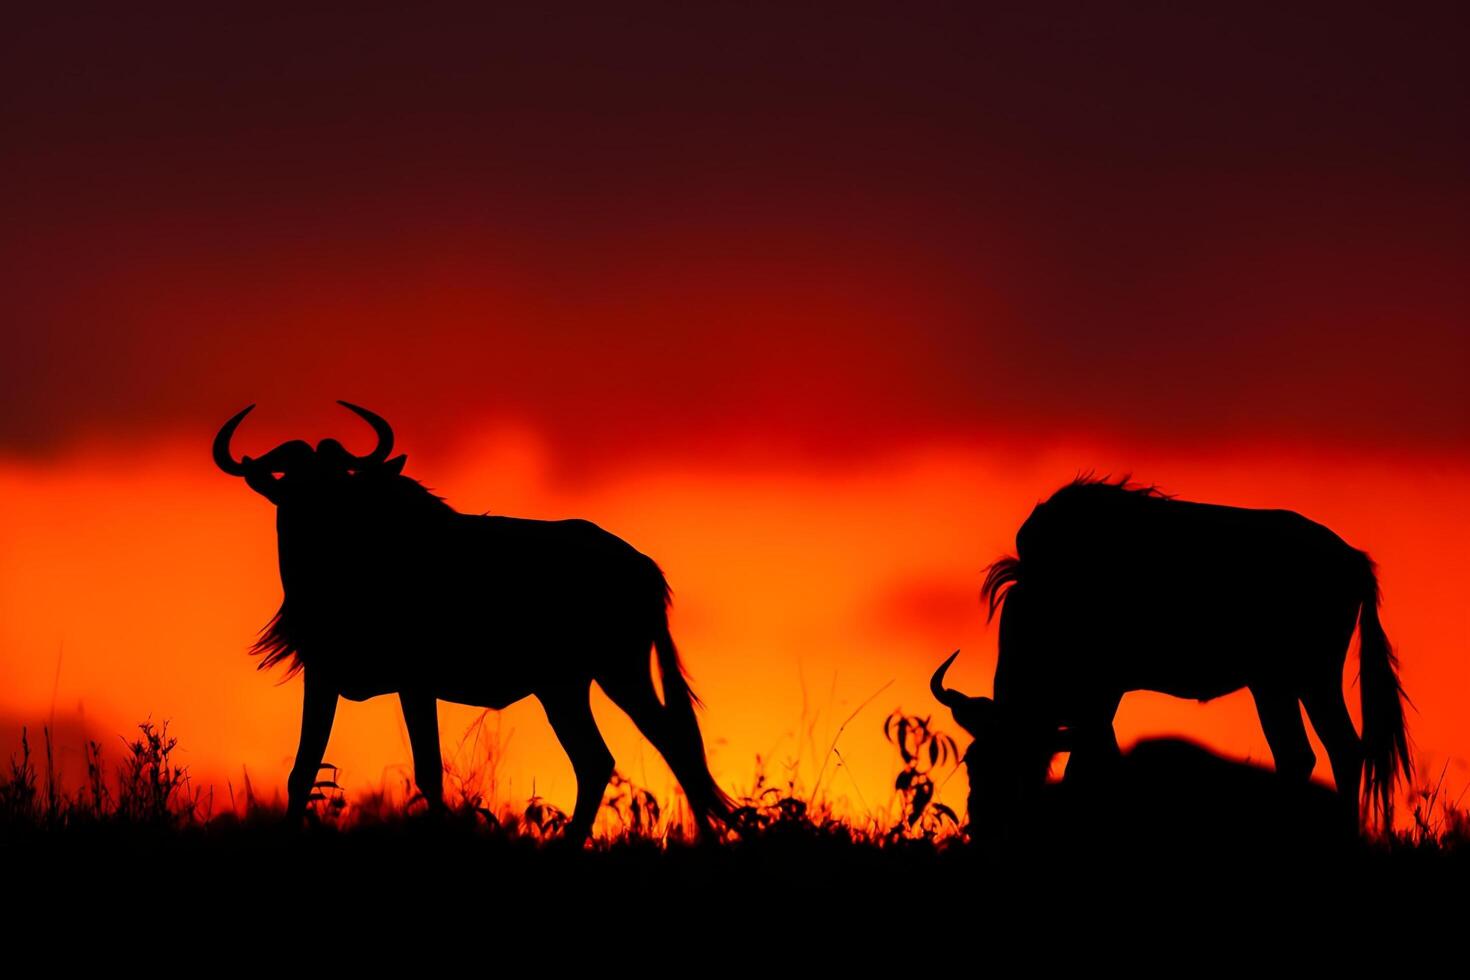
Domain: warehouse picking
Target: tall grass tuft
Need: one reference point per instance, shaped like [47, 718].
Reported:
[923, 750]
[18, 792]
[151, 788]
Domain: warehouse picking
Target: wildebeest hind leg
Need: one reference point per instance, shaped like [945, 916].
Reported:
[421, 716]
[1281, 719]
[1329, 714]
[570, 714]
[679, 744]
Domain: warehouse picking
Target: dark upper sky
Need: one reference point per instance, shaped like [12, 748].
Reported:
[702, 225]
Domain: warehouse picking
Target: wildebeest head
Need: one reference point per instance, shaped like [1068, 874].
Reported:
[342, 531]
[975, 715]
[979, 717]
[296, 472]
[1000, 760]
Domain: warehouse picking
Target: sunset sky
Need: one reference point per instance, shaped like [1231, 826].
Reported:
[810, 305]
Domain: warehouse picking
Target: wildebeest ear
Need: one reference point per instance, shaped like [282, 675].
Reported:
[394, 466]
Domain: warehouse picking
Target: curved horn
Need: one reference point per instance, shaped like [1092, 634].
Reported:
[222, 457]
[942, 694]
[381, 427]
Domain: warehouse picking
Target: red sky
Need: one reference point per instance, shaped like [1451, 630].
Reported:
[800, 273]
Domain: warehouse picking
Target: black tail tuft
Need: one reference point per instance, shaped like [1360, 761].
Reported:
[1386, 756]
[684, 750]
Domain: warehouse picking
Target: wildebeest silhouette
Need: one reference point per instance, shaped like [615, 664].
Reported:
[1118, 588]
[387, 589]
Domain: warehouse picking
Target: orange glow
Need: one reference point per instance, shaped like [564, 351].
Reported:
[131, 586]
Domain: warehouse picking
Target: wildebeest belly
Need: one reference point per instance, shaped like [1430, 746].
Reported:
[494, 612]
[491, 657]
[1192, 629]
[455, 661]
[1076, 690]
[456, 672]
[1192, 654]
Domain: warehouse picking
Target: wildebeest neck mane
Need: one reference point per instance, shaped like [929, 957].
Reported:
[1094, 487]
[1086, 491]
[405, 494]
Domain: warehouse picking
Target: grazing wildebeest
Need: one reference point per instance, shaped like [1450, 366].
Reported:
[1118, 588]
[390, 590]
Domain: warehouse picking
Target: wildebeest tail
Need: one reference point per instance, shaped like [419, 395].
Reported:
[1000, 575]
[1386, 758]
[684, 746]
[679, 697]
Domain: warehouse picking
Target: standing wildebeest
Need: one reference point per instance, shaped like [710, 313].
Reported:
[390, 590]
[1116, 588]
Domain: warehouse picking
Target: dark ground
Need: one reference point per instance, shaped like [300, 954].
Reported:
[260, 882]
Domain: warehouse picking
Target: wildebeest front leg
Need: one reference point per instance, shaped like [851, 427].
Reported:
[570, 714]
[421, 715]
[318, 708]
